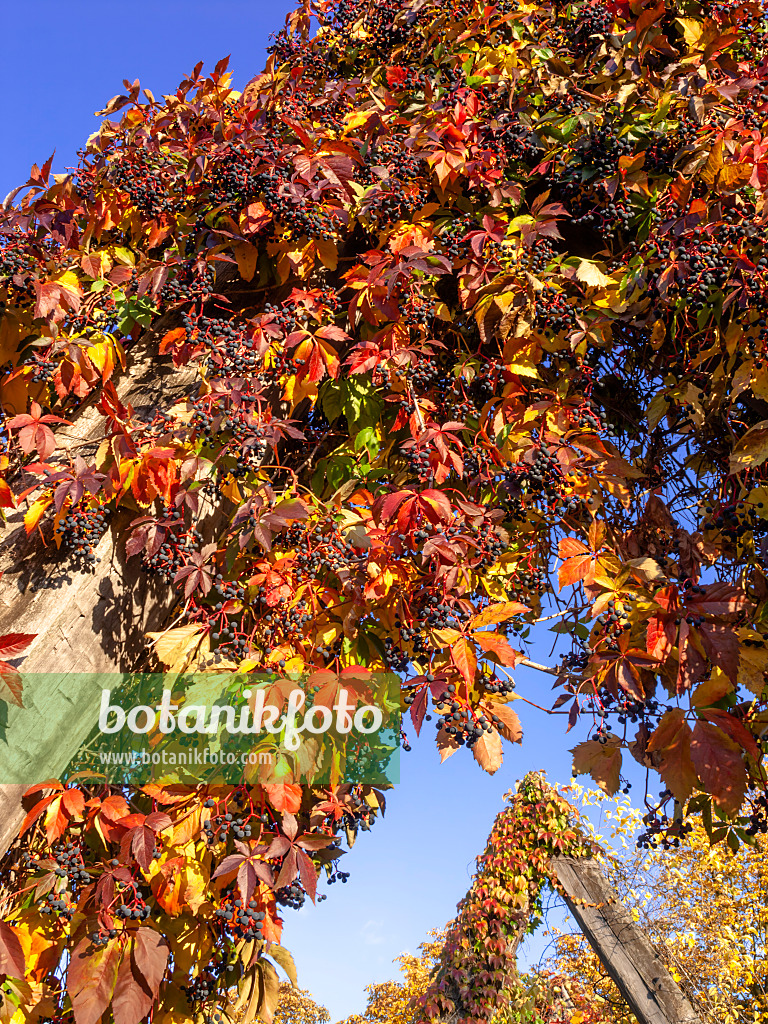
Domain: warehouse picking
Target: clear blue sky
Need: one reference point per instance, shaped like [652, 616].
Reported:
[58, 64]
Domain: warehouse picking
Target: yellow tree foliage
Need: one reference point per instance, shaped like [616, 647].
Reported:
[704, 908]
[390, 1001]
[296, 1006]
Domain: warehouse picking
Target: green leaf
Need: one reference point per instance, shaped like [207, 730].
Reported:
[332, 399]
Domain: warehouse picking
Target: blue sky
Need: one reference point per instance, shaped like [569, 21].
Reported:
[407, 875]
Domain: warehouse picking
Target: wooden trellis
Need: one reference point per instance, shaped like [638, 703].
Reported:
[624, 950]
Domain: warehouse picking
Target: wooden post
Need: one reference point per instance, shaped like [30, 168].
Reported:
[86, 623]
[623, 948]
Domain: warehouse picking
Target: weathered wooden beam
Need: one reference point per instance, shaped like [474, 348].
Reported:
[85, 622]
[622, 946]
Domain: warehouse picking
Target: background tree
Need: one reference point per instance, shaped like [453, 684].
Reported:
[390, 1001]
[704, 908]
[456, 306]
[296, 1006]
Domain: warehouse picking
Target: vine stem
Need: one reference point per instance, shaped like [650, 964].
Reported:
[541, 668]
[560, 614]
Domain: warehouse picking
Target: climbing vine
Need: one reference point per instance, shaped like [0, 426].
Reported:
[477, 976]
[462, 315]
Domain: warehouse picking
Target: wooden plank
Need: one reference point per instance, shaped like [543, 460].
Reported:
[622, 946]
[86, 622]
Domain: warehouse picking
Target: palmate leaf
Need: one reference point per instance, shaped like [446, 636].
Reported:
[402, 393]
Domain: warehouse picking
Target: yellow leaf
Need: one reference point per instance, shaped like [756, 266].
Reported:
[296, 390]
[753, 663]
[752, 449]
[495, 613]
[523, 368]
[357, 118]
[174, 646]
[247, 257]
[35, 511]
[592, 275]
[692, 30]
[328, 253]
[102, 356]
[446, 637]
[10, 335]
[713, 166]
[70, 281]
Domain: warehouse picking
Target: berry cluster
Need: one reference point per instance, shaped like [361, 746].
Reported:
[70, 864]
[147, 178]
[58, 905]
[241, 920]
[203, 985]
[101, 937]
[292, 896]
[81, 529]
[180, 541]
[459, 721]
[192, 281]
[219, 828]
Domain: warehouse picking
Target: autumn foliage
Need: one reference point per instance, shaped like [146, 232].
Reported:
[475, 300]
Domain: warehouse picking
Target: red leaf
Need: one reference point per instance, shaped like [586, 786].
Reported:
[246, 880]
[720, 766]
[718, 599]
[671, 742]
[229, 865]
[734, 728]
[659, 636]
[693, 664]
[150, 957]
[307, 873]
[132, 1000]
[289, 868]
[140, 841]
[91, 979]
[439, 502]
[158, 821]
[14, 643]
[721, 644]
[419, 708]
[11, 953]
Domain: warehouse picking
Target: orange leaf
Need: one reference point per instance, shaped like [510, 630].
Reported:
[247, 257]
[487, 752]
[463, 657]
[56, 820]
[574, 569]
[498, 646]
[34, 512]
[284, 796]
[496, 613]
[509, 727]
[601, 760]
